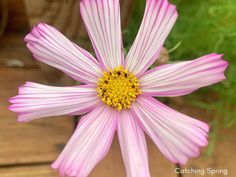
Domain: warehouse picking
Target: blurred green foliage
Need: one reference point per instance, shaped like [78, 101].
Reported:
[202, 27]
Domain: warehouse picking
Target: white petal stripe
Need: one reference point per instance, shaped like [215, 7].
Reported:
[49, 46]
[89, 143]
[102, 20]
[158, 20]
[133, 145]
[36, 101]
[177, 136]
[184, 77]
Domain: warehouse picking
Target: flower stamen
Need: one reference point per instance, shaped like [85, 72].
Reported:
[118, 88]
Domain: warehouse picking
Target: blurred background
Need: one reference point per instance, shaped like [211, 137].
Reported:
[26, 150]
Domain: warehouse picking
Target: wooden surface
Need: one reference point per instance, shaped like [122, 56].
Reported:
[65, 16]
[26, 150]
[12, 47]
[28, 171]
[35, 142]
[16, 16]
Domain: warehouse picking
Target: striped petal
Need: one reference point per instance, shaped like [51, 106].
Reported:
[133, 145]
[184, 77]
[89, 143]
[102, 20]
[176, 135]
[158, 20]
[36, 101]
[49, 46]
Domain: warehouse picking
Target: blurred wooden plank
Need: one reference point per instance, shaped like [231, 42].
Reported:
[3, 16]
[12, 47]
[17, 18]
[112, 165]
[31, 171]
[159, 165]
[22, 57]
[65, 16]
[34, 142]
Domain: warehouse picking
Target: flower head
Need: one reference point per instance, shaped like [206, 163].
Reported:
[117, 94]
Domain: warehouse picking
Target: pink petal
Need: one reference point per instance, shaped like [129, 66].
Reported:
[102, 20]
[133, 146]
[89, 143]
[178, 136]
[36, 101]
[184, 77]
[158, 20]
[49, 46]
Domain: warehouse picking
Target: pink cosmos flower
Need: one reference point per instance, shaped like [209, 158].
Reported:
[117, 94]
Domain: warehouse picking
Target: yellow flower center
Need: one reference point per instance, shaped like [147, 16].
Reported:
[118, 88]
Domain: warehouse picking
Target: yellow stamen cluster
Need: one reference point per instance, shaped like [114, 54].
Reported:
[118, 88]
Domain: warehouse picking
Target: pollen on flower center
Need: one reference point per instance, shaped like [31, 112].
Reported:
[118, 88]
